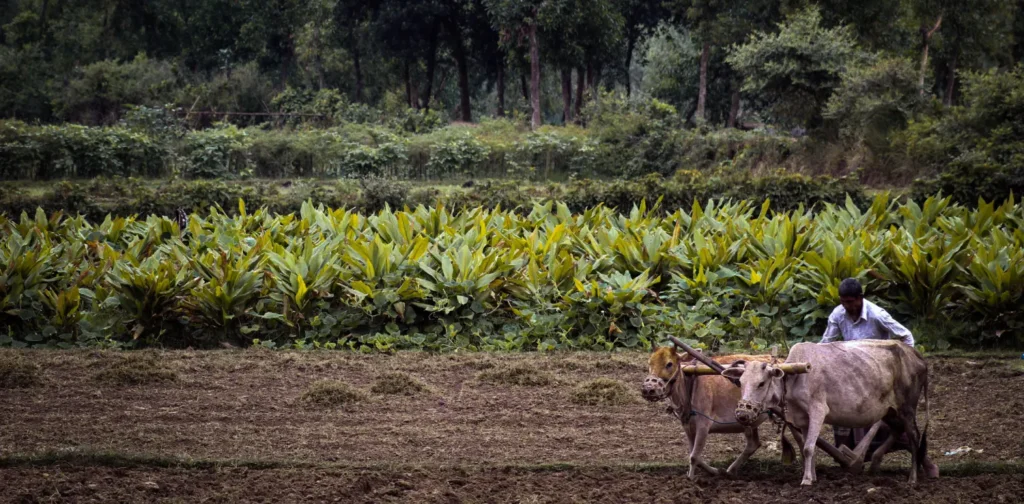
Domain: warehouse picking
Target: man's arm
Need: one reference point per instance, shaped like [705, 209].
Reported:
[895, 329]
[832, 332]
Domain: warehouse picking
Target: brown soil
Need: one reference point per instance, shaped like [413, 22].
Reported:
[453, 442]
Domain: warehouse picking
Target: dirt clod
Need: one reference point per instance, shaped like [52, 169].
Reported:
[331, 393]
[397, 383]
[17, 372]
[602, 391]
[523, 375]
[135, 369]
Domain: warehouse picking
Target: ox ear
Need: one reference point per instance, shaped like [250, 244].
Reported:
[735, 371]
[777, 373]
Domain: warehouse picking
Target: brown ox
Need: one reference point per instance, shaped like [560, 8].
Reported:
[850, 384]
[704, 404]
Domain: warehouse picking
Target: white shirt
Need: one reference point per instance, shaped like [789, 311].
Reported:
[874, 323]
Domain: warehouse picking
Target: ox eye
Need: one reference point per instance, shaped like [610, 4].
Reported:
[668, 365]
[760, 385]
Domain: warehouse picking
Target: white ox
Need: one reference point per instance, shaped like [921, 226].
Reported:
[850, 384]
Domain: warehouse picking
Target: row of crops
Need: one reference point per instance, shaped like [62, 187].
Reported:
[733, 274]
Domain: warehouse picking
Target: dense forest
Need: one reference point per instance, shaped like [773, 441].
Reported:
[892, 90]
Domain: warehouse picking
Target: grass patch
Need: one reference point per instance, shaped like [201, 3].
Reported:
[397, 383]
[135, 369]
[17, 372]
[523, 375]
[331, 393]
[602, 392]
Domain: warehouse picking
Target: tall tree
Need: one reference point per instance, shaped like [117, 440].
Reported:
[639, 18]
[974, 38]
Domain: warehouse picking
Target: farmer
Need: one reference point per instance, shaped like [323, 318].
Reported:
[856, 319]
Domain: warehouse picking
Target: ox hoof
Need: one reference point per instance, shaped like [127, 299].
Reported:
[856, 467]
[806, 482]
[931, 471]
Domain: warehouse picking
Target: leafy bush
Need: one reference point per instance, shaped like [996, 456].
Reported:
[44, 152]
[977, 149]
[875, 99]
[798, 67]
[378, 193]
[99, 93]
[730, 275]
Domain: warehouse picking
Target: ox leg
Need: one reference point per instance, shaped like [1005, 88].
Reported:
[876, 458]
[698, 435]
[857, 454]
[914, 435]
[816, 417]
[753, 443]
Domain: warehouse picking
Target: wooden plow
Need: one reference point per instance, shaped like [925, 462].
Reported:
[711, 367]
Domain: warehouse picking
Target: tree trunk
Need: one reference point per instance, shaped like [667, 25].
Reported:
[501, 89]
[535, 75]
[734, 106]
[408, 84]
[42, 18]
[566, 95]
[947, 99]
[702, 91]
[359, 73]
[579, 94]
[524, 86]
[431, 67]
[459, 52]
[286, 62]
[629, 61]
[926, 36]
[318, 64]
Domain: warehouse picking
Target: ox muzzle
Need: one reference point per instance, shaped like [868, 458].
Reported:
[655, 389]
[747, 412]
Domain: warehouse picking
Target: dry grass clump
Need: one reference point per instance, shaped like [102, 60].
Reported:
[135, 369]
[17, 372]
[331, 393]
[602, 392]
[523, 375]
[397, 383]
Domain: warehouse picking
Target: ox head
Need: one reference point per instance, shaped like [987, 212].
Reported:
[663, 371]
[760, 388]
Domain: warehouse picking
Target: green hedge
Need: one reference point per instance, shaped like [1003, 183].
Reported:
[150, 146]
[123, 197]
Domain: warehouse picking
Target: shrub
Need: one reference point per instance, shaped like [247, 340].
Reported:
[99, 93]
[875, 99]
[978, 149]
[217, 153]
[46, 152]
[380, 192]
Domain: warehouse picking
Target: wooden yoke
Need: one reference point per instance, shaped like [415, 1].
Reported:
[788, 368]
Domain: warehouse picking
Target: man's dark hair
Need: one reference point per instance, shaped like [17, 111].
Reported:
[851, 288]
